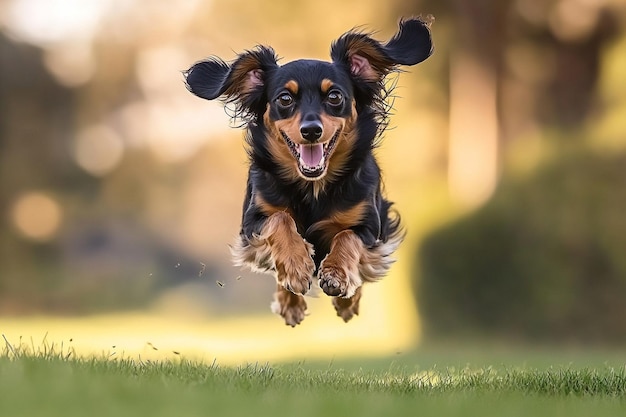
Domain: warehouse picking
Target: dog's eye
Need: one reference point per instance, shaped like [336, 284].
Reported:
[285, 100]
[334, 98]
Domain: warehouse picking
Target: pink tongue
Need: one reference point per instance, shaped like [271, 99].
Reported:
[311, 155]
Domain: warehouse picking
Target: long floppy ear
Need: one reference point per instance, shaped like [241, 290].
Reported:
[370, 60]
[241, 82]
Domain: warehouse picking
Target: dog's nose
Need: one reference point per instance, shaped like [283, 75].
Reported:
[311, 130]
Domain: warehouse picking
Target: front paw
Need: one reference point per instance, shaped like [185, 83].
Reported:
[332, 281]
[338, 282]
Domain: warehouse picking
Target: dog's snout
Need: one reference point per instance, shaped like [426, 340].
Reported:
[311, 130]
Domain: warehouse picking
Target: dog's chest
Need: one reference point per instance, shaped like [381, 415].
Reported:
[321, 221]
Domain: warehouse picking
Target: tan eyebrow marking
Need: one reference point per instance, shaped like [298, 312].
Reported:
[292, 86]
[326, 84]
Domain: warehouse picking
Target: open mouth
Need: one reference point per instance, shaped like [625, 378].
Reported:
[312, 158]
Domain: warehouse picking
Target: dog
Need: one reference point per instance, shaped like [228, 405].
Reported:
[314, 205]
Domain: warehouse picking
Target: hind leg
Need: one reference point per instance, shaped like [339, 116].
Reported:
[289, 306]
[348, 307]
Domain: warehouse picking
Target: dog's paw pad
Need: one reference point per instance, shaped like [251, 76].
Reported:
[332, 282]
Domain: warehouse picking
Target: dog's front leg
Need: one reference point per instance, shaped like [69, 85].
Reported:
[289, 252]
[339, 271]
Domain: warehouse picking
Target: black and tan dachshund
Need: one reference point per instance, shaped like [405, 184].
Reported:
[314, 205]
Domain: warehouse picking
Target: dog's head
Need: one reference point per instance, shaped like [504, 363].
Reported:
[309, 108]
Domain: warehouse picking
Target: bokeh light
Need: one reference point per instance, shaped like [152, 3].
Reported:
[50, 21]
[72, 63]
[36, 215]
[572, 20]
[98, 150]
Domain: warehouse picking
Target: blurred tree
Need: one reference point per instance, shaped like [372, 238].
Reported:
[32, 107]
[515, 66]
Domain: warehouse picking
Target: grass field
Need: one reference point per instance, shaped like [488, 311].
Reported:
[50, 381]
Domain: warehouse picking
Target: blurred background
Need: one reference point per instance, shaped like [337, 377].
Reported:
[120, 191]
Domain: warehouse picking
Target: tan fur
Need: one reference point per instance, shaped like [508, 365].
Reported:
[267, 208]
[292, 86]
[326, 84]
[338, 221]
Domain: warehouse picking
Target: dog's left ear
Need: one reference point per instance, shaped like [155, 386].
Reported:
[370, 60]
[241, 82]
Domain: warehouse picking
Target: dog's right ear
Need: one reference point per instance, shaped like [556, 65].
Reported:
[242, 81]
[370, 61]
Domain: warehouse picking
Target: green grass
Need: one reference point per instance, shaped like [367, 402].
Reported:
[51, 382]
